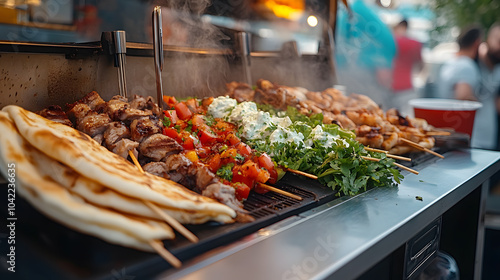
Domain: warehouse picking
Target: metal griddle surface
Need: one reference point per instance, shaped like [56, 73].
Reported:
[48, 250]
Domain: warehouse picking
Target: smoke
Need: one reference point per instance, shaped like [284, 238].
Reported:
[192, 74]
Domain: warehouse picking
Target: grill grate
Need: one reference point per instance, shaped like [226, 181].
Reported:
[270, 203]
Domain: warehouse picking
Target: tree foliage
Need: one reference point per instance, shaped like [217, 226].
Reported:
[461, 13]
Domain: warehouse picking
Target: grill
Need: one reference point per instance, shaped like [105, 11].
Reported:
[58, 248]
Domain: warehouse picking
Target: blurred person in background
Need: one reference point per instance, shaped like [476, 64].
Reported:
[408, 58]
[485, 133]
[459, 78]
[364, 50]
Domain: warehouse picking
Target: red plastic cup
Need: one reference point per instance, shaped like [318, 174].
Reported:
[447, 113]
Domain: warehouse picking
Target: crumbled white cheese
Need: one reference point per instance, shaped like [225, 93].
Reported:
[241, 111]
[257, 125]
[283, 135]
[221, 107]
[284, 122]
[325, 138]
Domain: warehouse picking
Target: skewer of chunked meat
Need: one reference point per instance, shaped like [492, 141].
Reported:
[356, 112]
[122, 127]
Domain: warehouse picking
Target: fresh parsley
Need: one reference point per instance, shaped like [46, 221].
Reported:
[226, 172]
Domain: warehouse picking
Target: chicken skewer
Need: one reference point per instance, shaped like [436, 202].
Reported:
[373, 127]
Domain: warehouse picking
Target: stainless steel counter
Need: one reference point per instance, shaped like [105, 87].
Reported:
[348, 236]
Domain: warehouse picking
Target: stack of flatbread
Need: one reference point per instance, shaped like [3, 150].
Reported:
[72, 179]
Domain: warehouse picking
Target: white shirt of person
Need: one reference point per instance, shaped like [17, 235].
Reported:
[460, 69]
[485, 123]
[463, 69]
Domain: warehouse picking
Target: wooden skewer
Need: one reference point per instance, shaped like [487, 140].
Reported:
[276, 190]
[167, 218]
[438, 133]
[387, 154]
[173, 222]
[376, 150]
[420, 147]
[302, 173]
[398, 157]
[395, 163]
[169, 257]
[406, 168]
[136, 162]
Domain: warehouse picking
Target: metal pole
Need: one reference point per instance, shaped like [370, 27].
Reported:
[244, 51]
[120, 51]
[158, 53]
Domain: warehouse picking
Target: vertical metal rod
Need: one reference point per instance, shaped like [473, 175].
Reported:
[158, 53]
[244, 50]
[120, 51]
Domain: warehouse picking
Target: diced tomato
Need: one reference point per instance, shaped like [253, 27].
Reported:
[183, 111]
[259, 189]
[192, 156]
[170, 101]
[171, 132]
[192, 104]
[250, 169]
[242, 191]
[266, 162]
[172, 115]
[214, 163]
[207, 137]
[198, 121]
[238, 176]
[273, 176]
[207, 101]
[244, 149]
[203, 152]
[232, 139]
[229, 153]
[189, 141]
[223, 128]
[263, 176]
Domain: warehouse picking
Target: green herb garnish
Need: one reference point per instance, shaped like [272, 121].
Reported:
[226, 172]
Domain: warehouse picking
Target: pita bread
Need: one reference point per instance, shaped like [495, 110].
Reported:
[100, 195]
[107, 234]
[58, 203]
[78, 151]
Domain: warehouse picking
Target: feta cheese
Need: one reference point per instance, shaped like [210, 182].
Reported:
[284, 122]
[241, 111]
[221, 107]
[283, 135]
[257, 125]
[325, 138]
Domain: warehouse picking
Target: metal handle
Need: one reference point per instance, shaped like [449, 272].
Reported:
[243, 43]
[158, 53]
[120, 44]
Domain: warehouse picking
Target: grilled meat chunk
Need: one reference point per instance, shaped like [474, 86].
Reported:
[177, 167]
[119, 110]
[93, 100]
[240, 91]
[115, 132]
[158, 146]
[138, 102]
[152, 106]
[56, 113]
[226, 195]
[157, 168]
[177, 162]
[99, 138]
[143, 127]
[124, 145]
[93, 123]
[78, 111]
